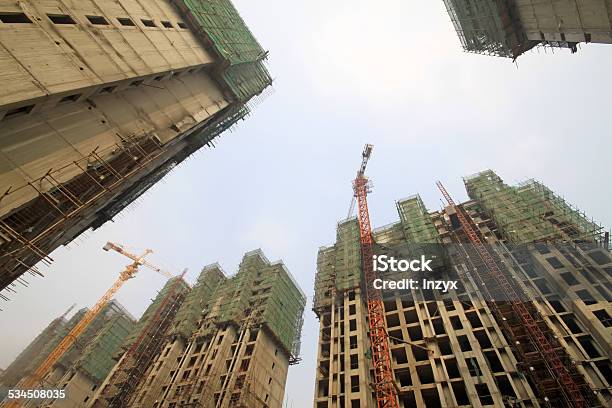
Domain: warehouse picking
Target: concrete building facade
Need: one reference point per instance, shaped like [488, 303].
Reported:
[101, 99]
[22, 365]
[509, 28]
[229, 345]
[83, 367]
[81, 379]
[141, 347]
[466, 347]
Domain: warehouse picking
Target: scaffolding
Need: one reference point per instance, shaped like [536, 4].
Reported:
[199, 298]
[96, 359]
[220, 22]
[339, 266]
[420, 234]
[531, 212]
[144, 342]
[75, 352]
[33, 227]
[488, 27]
[261, 294]
[262, 297]
[42, 213]
[22, 365]
[64, 196]
[544, 360]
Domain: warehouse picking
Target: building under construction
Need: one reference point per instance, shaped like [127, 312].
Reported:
[100, 100]
[508, 28]
[228, 342]
[84, 366]
[22, 365]
[543, 340]
[141, 346]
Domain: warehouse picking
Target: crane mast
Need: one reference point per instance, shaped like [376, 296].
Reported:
[384, 383]
[34, 379]
[545, 347]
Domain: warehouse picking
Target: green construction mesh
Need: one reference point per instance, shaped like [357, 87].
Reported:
[530, 211]
[260, 293]
[339, 266]
[219, 22]
[226, 29]
[420, 234]
[152, 310]
[96, 359]
[199, 298]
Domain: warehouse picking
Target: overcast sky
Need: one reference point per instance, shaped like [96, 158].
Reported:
[389, 72]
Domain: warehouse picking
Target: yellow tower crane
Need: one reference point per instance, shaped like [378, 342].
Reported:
[31, 381]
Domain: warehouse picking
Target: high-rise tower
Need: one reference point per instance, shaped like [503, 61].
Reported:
[100, 99]
[469, 346]
[230, 344]
[84, 365]
[509, 28]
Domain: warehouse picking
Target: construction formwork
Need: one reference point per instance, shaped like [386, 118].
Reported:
[473, 346]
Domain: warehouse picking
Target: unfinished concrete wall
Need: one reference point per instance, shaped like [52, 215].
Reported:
[451, 349]
[510, 28]
[237, 355]
[88, 44]
[68, 133]
[78, 387]
[566, 20]
[140, 348]
[21, 366]
[199, 299]
[103, 99]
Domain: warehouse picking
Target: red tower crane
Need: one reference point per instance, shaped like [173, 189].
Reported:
[384, 383]
[546, 351]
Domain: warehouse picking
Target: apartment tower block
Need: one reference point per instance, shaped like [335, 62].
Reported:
[511, 27]
[230, 344]
[103, 98]
[83, 367]
[468, 347]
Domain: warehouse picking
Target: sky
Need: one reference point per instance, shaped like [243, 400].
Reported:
[390, 73]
